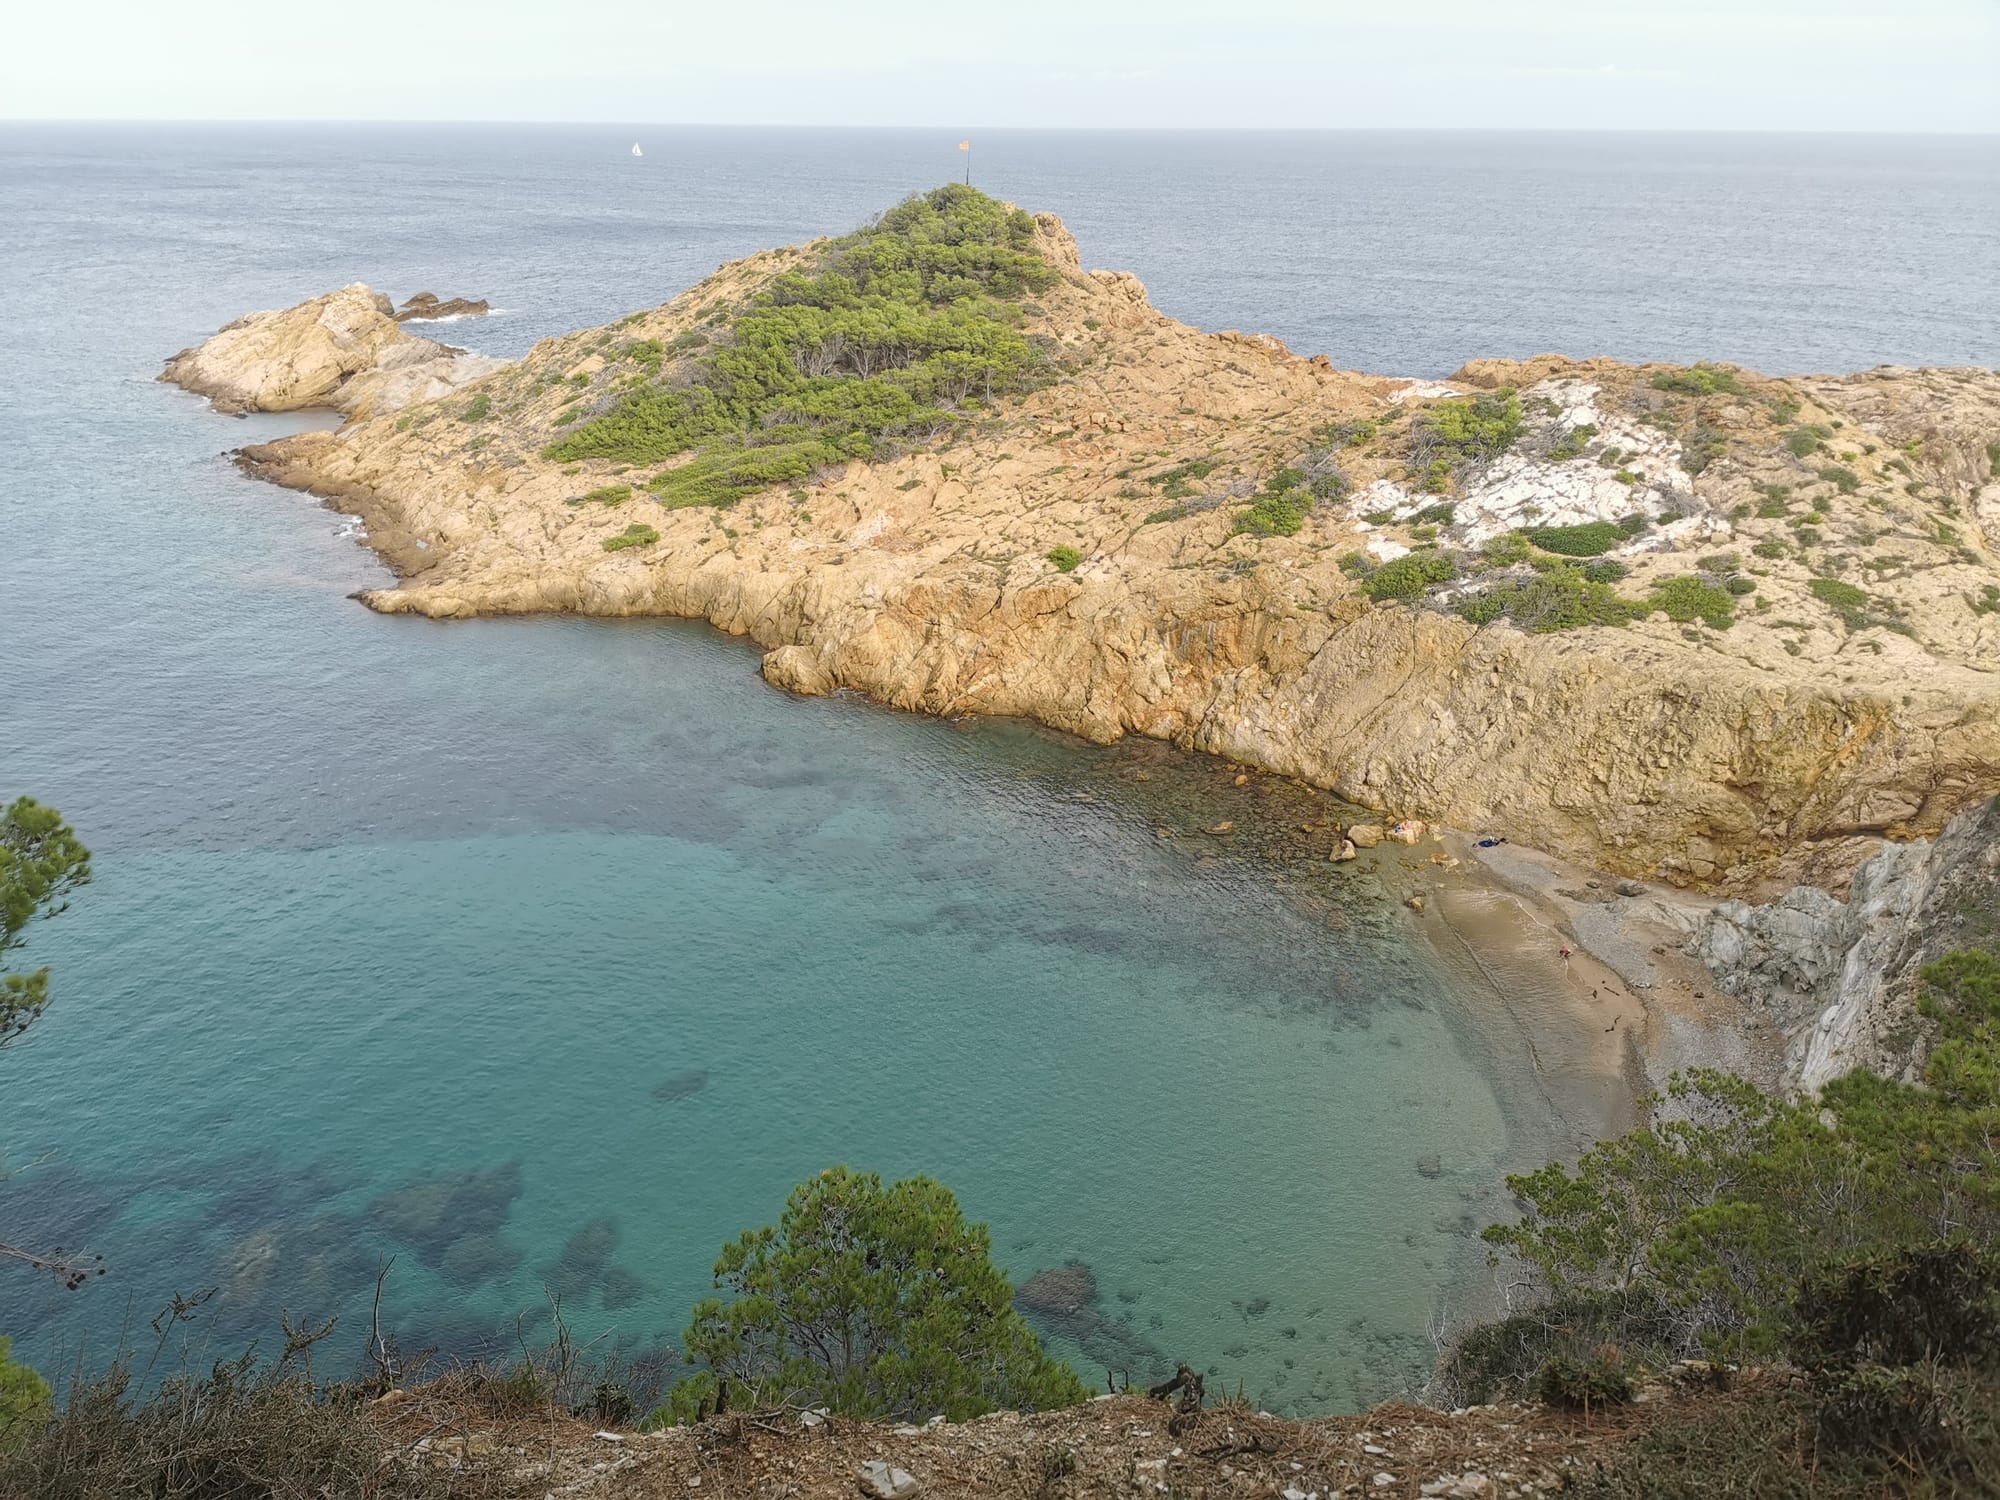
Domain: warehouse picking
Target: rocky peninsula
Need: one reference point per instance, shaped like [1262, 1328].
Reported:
[1696, 626]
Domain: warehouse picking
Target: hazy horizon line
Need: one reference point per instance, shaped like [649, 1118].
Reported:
[964, 130]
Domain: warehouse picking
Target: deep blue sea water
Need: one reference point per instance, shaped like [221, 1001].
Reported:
[555, 951]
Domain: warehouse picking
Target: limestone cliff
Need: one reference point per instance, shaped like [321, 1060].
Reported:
[1840, 978]
[1787, 743]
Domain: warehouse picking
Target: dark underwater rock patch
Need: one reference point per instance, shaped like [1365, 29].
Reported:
[682, 1085]
[433, 1213]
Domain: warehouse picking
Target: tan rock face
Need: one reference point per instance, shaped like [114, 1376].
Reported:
[1787, 745]
[345, 350]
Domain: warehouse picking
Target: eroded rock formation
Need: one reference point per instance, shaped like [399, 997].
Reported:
[345, 351]
[1841, 978]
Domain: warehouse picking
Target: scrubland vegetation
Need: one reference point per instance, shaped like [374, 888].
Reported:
[889, 337]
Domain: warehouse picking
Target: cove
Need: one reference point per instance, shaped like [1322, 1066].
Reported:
[577, 1014]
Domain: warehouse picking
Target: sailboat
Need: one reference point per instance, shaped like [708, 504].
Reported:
[635, 149]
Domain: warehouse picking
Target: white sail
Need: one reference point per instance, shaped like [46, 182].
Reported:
[635, 149]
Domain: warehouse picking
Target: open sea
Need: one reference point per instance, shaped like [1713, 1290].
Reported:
[548, 954]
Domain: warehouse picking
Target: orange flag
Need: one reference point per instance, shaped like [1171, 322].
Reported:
[965, 145]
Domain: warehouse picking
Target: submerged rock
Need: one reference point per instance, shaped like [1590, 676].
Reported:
[432, 1214]
[1062, 1302]
[681, 1085]
[621, 1289]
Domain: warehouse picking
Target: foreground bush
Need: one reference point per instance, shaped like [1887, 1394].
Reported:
[1726, 1228]
[24, 1401]
[1797, 1233]
[233, 1434]
[1772, 1444]
[871, 1301]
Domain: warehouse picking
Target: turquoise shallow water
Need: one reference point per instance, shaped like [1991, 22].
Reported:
[554, 952]
[815, 933]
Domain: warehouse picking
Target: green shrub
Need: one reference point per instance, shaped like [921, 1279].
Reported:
[1700, 380]
[1408, 578]
[1561, 597]
[1273, 514]
[1731, 1201]
[1506, 550]
[1174, 483]
[1689, 598]
[1804, 442]
[1357, 565]
[647, 353]
[1924, 1304]
[1065, 558]
[1453, 434]
[638, 534]
[1844, 598]
[1771, 549]
[872, 1301]
[725, 473]
[610, 494]
[1582, 1384]
[1740, 586]
[515, 1392]
[890, 333]
[1702, 447]
[1590, 539]
[477, 408]
[1347, 434]
[1845, 480]
[1605, 570]
[24, 1401]
[1572, 443]
[1170, 513]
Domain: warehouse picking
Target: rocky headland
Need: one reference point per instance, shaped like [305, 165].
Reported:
[1697, 626]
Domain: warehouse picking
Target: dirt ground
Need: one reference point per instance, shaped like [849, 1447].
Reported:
[1123, 1445]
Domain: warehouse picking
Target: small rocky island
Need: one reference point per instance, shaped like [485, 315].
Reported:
[1692, 624]
[426, 307]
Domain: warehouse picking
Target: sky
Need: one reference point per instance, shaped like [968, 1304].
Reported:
[1877, 65]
